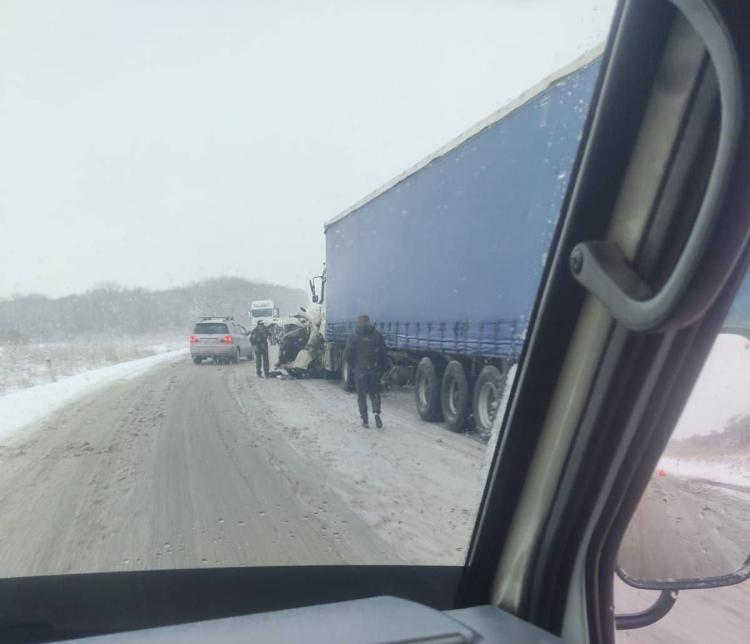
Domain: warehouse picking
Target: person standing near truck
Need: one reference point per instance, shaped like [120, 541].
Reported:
[259, 340]
[366, 354]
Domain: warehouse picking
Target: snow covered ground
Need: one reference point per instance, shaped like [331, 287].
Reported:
[22, 407]
[28, 365]
[232, 469]
[727, 470]
[401, 481]
[404, 481]
[717, 410]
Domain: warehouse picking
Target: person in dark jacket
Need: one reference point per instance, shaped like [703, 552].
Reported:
[366, 354]
[259, 340]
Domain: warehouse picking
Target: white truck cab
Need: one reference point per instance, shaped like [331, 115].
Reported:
[262, 310]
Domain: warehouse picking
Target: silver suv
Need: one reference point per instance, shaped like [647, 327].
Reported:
[221, 339]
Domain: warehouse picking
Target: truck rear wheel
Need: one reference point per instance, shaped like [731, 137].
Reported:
[455, 397]
[347, 376]
[427, 390]
[488, 392]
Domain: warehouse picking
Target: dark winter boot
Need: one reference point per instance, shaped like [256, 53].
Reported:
[365, 424]
[378, 422]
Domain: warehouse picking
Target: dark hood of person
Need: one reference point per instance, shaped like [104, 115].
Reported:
[365, 348]
[364, 329]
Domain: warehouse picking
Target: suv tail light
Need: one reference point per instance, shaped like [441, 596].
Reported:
[227, 339]
[193, 339]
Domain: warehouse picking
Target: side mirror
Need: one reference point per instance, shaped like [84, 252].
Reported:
[691, 530]
[687, 532]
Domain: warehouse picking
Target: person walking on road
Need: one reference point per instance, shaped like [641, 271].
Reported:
[259, 340]
[365, 352]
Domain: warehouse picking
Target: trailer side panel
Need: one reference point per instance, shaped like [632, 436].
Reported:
[450, 258]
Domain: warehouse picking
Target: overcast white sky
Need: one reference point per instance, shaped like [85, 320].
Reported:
[155, 142]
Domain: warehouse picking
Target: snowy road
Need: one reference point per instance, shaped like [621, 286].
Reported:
[197, 466]
[191, 466]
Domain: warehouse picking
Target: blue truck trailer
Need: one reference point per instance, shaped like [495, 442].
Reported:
[446, 259]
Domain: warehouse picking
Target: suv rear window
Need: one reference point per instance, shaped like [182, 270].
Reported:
[211, 327]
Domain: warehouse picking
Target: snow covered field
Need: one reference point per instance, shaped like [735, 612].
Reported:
[28, 365]
[728, 470]
[23, 407]
[712, 438]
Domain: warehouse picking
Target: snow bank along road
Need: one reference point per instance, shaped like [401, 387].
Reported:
[21, 407]
[189, 466]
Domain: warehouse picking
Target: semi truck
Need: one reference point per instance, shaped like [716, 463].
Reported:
[447, 258]
[262, 311]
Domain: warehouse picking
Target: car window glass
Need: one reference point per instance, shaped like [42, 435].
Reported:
[372, 188]
[211, 328]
